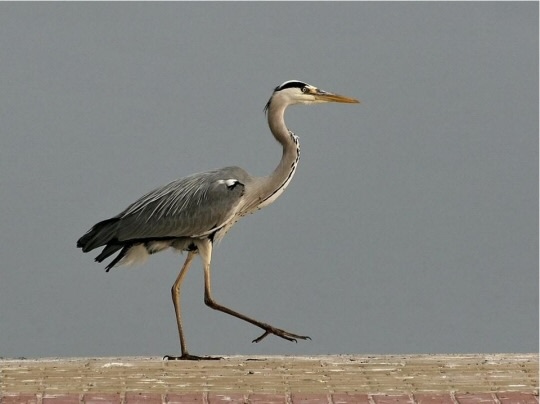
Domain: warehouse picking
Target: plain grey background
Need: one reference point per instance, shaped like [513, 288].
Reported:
[411, 225]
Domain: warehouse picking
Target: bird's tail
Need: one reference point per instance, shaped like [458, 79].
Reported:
[101, 234]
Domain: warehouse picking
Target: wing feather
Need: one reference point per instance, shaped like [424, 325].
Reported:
[189, 207]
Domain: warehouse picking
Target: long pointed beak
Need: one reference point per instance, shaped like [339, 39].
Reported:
[331, 97]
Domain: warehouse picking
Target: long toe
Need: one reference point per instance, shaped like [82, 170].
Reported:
[289, 336]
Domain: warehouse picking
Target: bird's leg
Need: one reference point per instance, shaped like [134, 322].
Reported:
[175, 291]
[206, 254]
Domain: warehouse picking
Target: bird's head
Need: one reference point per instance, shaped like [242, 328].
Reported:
[297, 92]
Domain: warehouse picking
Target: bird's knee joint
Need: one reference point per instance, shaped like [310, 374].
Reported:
[209, 302]
[174, 289]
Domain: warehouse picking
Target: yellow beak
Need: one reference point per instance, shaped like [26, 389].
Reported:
[331, 97]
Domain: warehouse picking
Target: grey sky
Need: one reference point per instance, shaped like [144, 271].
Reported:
[411, 225]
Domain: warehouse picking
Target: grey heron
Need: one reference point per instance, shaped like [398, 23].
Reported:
[193, 213]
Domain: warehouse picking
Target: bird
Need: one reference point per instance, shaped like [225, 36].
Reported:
[192, 214]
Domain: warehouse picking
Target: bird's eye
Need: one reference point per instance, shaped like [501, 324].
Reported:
[304, 89]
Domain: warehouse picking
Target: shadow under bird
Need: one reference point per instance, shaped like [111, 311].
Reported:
[193, 213]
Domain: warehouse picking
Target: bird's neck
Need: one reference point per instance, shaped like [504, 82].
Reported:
[272, 186]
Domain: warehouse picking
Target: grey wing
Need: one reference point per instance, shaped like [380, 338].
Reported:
[193, 206]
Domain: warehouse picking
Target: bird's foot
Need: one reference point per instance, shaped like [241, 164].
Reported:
[189, 357]
[280, 333]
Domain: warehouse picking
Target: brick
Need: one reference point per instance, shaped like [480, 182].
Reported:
[19, 399]
[429, 398]
[476, 398]
[391, 399]
[101, 398]
[143, 398]
[517, 398]
[267, 398]
[61, 399]
[232, 398]
[309, 398]
[350, 398]
[185, 398]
